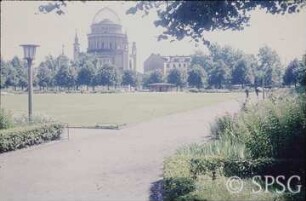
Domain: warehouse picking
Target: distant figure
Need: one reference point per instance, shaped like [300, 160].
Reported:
[247, 93]
[256, 91]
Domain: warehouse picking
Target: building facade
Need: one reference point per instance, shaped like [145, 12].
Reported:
[156, 62]
[108, 42]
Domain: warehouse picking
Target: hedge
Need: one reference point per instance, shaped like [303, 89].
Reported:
[246, 168]
[17, 138]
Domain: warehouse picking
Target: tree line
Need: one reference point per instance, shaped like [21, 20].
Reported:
[226, 67]
[63, 74]
[222, 68]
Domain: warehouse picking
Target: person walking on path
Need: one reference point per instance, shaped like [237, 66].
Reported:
[256, 91]
[247, 92]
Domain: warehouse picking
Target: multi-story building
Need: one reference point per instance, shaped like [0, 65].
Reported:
[108, 42]
[156, 62]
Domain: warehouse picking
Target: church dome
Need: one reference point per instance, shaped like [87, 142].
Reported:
[107, 16]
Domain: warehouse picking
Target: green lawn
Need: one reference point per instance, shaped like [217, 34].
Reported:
[120, 108]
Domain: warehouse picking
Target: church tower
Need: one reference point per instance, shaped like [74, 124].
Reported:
[134, 52]
[76, 48]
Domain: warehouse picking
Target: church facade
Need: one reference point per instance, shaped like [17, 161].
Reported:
[108, 42]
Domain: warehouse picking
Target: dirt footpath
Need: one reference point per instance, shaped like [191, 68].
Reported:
[103, 165]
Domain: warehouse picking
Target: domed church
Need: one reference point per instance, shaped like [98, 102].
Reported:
[108, 42]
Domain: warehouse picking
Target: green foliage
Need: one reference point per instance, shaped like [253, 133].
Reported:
[85, 75]
[202, 166]
[222, 68]
[44, 75]
[177, 166]
[12, 78]
[268, 72]
[301, 77]
[129, 77]
[3, 73]
[266, 138]
[17, 138]
[6, 119]
[280, 132]
[176, 187]
[153, 77]
[222, 126]
[196, 77]
[226, 66]
[107, 75]
[220, 75]
[21, 71]
[242, 72]
[66, 75]
[176, 77]
[193, 18]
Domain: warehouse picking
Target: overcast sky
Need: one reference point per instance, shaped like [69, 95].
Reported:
[21, 24]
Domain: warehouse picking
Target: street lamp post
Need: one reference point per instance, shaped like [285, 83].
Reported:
[29, 54]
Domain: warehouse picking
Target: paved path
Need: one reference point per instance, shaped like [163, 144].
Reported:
[103, 165]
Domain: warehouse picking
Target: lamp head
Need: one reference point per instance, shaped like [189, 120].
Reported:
[29, 50]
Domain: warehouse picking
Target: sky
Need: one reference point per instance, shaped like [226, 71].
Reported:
[22, 23]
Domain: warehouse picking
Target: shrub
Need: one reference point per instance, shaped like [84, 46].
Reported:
[221, 148]
[176, 187]
[6, 120]
[17, 138]
[205, 165]
[279, 132]
[222, 126]
[177, 166]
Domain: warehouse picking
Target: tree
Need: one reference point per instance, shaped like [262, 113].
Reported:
[44, 76]
[66, 77]
[176, 77]
[21, 70]
[129, 78]
[228, 55]
[301, 77]
[107, 76]
[193, 18]
[205, 61]
[196, 77]
[220, 75]
[3, 73]
[85, 75]
[12, 78]
[269, 67]
[291, 73]
[153, 77]
[242, 72]
[86, 59]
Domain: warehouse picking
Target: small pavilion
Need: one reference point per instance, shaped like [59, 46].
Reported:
[161, 87]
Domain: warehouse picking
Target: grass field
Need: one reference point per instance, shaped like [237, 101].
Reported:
[121, 108]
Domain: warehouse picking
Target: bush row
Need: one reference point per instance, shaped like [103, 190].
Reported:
[246, 168]
[17, 138]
